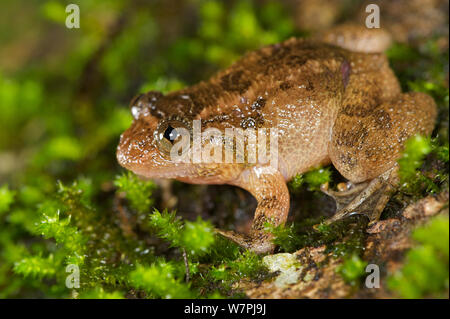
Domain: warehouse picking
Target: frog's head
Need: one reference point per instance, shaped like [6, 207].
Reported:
[158, 125]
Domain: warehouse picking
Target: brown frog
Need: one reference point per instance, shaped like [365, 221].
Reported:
[328, 105]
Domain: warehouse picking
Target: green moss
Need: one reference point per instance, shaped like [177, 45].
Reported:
[352, 269]
[137, 191]
[416, 148]
[100, 293]
[317, 177]
[6, 198]
[51, 225]
[159, 281]
[313, 179]
[342, 238]
[441, 152]
[414, 178]
[223, 275]
[296, 183]
[195, 237]
[248, 265]
[285, 236]
[36, 266]
[168, 226]
[426, 269]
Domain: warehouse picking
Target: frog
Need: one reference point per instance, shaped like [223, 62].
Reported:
[332, 101]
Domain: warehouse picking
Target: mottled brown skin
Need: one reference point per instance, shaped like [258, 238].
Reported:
[329, 104]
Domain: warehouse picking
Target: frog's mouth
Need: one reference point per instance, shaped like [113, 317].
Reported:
[152, 168]
[168, 173]
[184, 172]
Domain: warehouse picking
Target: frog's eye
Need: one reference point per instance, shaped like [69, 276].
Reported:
[170, 133]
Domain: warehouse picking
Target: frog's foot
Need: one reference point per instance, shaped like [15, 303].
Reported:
[345, 194]
[368, 198]
[259, 243]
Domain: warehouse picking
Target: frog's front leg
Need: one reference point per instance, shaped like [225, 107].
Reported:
[269, 188]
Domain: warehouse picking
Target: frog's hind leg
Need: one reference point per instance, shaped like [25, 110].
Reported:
[367, 198]
[365, 146]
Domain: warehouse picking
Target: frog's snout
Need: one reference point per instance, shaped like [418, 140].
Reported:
[134, 146]
[121, 152]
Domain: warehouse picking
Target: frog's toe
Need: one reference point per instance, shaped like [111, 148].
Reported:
[342, 214]
[345, 194]
[257, 243]
[368, 198]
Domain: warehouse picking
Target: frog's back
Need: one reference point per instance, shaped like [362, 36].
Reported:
[295, 87]
[275, 68]
[270, 70]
